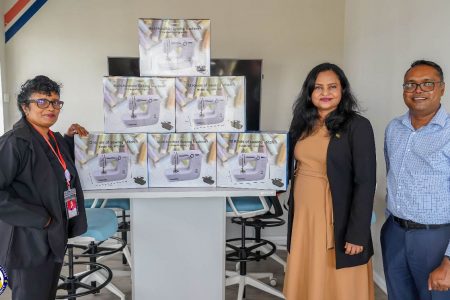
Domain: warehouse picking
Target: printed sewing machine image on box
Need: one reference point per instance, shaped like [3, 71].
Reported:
[174, 47]
[135, 104]
[252, 160]
[112, 161]
[182, 159]
[210, 104]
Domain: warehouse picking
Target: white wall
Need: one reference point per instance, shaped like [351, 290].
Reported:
[70, 40]
[2, 73]
[382, 38]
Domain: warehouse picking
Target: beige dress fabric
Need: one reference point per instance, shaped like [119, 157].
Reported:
[311, 267]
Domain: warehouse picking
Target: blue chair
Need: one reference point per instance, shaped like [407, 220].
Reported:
[102, 226]
[123, 227]
[244, 210]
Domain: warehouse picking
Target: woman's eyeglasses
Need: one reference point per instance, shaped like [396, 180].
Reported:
[44, 103]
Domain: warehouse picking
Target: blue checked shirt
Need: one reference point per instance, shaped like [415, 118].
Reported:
[418, 169]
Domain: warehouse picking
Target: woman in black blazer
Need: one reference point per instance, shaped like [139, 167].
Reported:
[333, 177]
[36, 169]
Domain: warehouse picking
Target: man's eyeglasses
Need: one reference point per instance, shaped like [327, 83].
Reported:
[44, 103]
[426, 86]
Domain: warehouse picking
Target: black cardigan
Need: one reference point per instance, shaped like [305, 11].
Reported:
[29, 195]
[351, 171]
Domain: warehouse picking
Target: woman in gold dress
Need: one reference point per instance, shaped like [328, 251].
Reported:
[333, 177]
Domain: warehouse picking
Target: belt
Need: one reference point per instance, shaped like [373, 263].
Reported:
[407, 224]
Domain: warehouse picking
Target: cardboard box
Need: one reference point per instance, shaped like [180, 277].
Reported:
[174, 47]
[182, 160]
[210, 104]
[112, 161]
[134, 104]
[252, 160]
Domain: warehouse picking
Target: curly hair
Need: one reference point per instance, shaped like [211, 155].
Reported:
[305, 114]
[39, 84]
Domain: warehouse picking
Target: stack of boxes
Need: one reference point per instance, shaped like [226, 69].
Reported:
[176, 126]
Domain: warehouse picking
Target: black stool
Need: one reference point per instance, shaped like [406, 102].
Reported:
[244, 210]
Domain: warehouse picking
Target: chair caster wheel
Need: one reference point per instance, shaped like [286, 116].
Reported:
[273, 282]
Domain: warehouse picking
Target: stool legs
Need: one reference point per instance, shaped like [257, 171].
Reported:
[242, 278]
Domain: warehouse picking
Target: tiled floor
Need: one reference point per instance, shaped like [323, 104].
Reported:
[124, 283]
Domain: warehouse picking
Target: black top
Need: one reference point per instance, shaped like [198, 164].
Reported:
[351, 171]
[32, 184]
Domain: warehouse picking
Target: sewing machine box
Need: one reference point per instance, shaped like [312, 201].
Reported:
[174, 47]
[256, 160]
[112, 161]
[182, 159]
[139, 104]
[210, 104]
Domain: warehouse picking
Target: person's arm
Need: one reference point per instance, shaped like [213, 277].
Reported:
[69, 136]
[13, 210]
[362, 143]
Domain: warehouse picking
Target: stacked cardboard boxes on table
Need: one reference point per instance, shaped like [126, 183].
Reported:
[176, 126]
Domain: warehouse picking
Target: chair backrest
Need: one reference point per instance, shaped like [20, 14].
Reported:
[273, 201]
[246, 207]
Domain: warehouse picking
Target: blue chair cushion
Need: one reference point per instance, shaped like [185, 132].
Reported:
[245, 204]
[123, 203]
[102, 223]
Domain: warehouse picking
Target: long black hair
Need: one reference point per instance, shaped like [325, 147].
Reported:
[306, 114]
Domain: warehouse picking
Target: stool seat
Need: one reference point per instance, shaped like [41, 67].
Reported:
[245, 204]
[102, 223]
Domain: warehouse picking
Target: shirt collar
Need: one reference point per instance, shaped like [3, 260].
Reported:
[440, 118]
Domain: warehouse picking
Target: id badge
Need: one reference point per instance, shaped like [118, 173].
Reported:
[70, 200]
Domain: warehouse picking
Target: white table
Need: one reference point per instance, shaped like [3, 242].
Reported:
[178, 237]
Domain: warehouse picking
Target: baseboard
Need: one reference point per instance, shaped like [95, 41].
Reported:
[380, 281]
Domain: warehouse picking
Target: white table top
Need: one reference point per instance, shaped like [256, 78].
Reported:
[176, 193]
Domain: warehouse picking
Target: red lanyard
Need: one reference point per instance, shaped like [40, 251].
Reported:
[58, 156]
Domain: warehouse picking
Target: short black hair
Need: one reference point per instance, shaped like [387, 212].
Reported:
[39, 84]
[423, 62]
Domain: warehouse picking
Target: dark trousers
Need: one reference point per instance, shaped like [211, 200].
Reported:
[409, 256]
[36, 283]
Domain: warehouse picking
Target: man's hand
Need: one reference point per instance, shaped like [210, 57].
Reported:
[352, 249]
[76, 129]
[439, 279]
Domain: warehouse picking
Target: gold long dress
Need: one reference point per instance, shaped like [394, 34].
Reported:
[311, 268]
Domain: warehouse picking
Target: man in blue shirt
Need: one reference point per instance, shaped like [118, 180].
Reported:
[415, 238]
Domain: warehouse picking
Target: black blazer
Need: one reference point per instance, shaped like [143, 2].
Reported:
[351, 171]
[28, 197]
